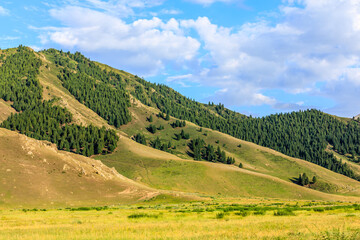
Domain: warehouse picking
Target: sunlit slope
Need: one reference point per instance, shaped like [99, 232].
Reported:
[35, 173]
[132, 159]
[5, 110]
[266, 172]
[208, 179]
[53, 88]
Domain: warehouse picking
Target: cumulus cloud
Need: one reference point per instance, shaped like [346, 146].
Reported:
[318, 41]
[146, 45]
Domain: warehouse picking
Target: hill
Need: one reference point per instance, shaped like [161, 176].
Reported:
[90, 109]
[265, 172]
[132, 159]
[35, 173]
[303, 134]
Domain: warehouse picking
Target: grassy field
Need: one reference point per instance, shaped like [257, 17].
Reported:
[239, 219]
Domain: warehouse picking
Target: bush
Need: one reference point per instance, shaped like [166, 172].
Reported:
[284, 212]
[318, 209]
[242, 213]
[142, 215]
[260, 212]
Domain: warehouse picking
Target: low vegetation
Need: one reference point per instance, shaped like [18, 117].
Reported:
[262, 219]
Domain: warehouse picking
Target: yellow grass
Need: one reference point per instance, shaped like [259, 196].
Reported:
[178, 221]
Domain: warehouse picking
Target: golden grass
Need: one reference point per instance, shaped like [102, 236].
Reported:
[178, 221]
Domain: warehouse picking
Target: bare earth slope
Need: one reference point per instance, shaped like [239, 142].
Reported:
[37, 172]
[5, 110]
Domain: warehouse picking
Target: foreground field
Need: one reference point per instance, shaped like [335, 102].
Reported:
[206, 220]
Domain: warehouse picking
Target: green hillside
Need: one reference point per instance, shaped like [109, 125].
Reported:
[303, 134]
[159, 139]
[132, 158]
[183, 173]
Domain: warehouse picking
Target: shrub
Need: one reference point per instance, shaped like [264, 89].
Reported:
[260, 212]
[242, 213]
[318, 209]
[284, 212]
[142, 215]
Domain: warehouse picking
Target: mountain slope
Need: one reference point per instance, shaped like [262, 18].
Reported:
[303, 134]
[35, 173]
[265, 172]
[258, 162]
[254, 158]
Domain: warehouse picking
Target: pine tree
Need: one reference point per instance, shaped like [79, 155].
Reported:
[314, 180]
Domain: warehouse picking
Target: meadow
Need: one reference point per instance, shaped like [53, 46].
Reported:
[215, 219]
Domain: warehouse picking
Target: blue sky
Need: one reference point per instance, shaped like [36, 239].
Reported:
[256, 57]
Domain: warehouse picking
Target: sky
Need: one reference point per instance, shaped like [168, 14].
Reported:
[256, 57]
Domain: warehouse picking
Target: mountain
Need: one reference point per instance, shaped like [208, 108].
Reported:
[159, 141]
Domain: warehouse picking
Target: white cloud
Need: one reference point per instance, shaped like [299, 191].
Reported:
[180, 77]
[8, 38]
[318, 41]
[180, 80]
[145, 45]
[4, 11]
[209, 2]
[119, 8]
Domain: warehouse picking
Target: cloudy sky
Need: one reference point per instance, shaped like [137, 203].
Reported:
[257, 57]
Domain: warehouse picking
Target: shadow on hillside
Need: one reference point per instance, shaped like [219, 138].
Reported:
[294, 180]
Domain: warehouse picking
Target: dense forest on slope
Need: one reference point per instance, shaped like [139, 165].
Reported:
[303, 134]
[101, 91]
[41, 119]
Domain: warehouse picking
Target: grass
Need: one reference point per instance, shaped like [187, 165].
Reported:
[216, 220]
[204, 178]
[253, 157]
